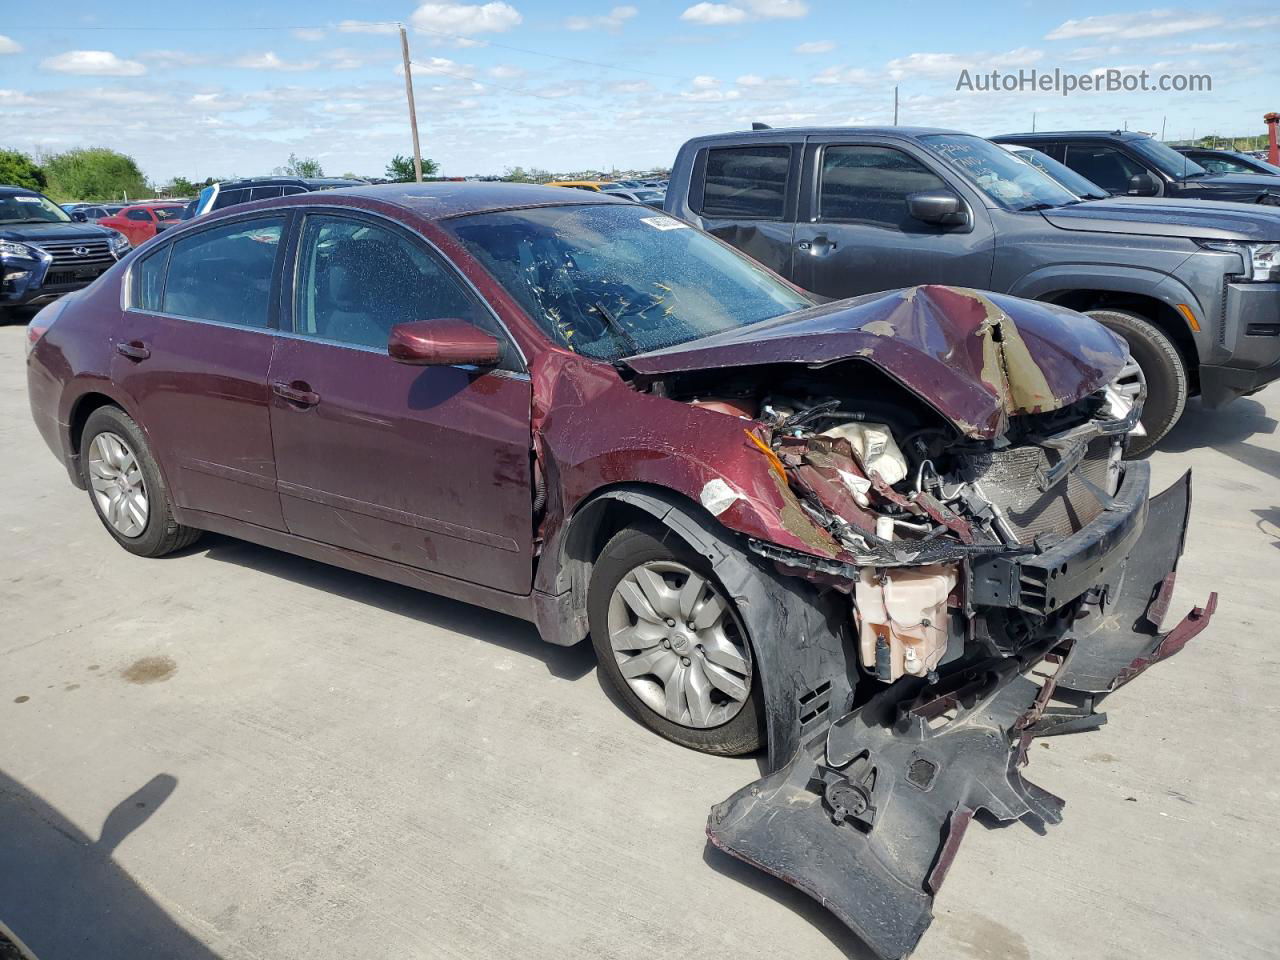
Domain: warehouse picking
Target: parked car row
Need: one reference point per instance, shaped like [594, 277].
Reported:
[650, 193]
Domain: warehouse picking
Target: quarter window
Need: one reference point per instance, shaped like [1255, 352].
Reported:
[224, 273]
[746, 182]
[357, 280]
[871, 185]
[1105, 166]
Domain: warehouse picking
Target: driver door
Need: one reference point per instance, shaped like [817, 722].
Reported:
[424, 466]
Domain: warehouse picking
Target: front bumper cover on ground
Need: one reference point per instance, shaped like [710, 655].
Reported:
[868, 818]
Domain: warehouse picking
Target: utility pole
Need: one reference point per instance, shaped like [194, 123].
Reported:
[413, 111]
[1033, 121]
[1162, 120]
[895, 105]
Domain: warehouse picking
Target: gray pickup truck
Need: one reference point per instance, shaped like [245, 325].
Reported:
[1192, 286]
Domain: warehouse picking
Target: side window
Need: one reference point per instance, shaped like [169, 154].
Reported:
[224, 274]
[267, 193]
[138, 215]
[357, 280]
[746, 182]
[291, 190]
[871, 184]
[148, 281]
[1105, 166]
[229, 198]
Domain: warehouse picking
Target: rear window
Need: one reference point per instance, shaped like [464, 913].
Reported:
[746, 182]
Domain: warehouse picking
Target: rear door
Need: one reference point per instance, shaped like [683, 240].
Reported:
[745, 195]
[193, 353]
[425, 466]
[855, 235]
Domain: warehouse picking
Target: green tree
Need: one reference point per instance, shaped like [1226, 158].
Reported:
[181, 187]
[94, 173]
[400, 169]
[297, 166]
[19, 170]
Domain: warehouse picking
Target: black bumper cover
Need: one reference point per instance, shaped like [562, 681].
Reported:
[868, 818]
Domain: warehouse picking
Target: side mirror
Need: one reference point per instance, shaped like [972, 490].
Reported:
[79, 217]
[443, 343]
[937, 206]
[1143, 185]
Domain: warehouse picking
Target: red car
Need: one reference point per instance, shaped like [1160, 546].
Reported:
[846, 532]
[142, 221]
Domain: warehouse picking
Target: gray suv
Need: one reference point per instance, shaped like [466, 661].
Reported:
[1192, 286]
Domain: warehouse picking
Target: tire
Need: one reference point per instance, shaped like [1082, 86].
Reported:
[149, 530]
[1162, 367]
[656, 550]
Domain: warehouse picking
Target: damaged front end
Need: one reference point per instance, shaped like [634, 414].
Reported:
[1006, 568]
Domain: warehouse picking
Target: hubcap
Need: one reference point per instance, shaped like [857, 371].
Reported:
[679, 645]
[118, 488]
[1130, 382]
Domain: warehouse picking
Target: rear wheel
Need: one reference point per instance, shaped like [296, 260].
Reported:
[1159, 364]
[126, 488]
[671, 643]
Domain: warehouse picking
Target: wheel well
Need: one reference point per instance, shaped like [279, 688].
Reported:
[81, 412]
[1161, 315]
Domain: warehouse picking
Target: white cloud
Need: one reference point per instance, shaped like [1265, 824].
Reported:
[714, 14]
[9, 46]
[750, 80]
[172, 58]
[778, 9]
[917, 64]
[367, 26]
[308, 33]
[463, 19]
[843, 76]
[817, 46]
[1252, 23]
[631, 86]
[705, 82]
[505, 72]
[613, 20]
[1135, 26]
[268, 60]
[15, 96]
[93, 63]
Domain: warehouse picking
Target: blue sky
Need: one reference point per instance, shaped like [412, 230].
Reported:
[234, 87]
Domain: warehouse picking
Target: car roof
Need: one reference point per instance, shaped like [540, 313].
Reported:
[774, 133]
[307, 181]
[441, 200]
[19, 192]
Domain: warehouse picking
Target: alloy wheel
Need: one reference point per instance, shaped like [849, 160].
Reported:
[118, 487]
[679, 645]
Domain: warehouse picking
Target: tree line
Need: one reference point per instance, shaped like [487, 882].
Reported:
[100, 174]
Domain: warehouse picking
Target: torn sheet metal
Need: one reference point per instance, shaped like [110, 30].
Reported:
[976, 357]
[868, 820]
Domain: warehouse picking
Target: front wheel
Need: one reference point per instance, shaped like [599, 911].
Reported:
[1159, 364]
[670, 642]
[126, 488]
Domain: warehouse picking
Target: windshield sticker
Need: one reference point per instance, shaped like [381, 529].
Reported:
[27, 199]
[664, 223]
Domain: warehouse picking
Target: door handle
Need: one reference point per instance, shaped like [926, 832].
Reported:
[819, 246]
[297, 392]
[134, 350]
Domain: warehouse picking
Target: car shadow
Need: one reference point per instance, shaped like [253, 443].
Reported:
[1269, 524]
[1225, 427]
[510, 633]
[794, 899]
[62, 893]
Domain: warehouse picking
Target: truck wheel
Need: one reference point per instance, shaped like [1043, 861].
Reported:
[670, 642]
[1162, 368]
[126, 488]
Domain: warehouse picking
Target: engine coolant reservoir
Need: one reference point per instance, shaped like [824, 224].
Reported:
[875, 447]
[902, 618]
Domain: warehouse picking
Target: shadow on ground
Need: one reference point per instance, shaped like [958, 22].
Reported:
[64, 895]
[510, 633]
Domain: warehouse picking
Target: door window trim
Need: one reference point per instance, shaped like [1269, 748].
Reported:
[794, 151]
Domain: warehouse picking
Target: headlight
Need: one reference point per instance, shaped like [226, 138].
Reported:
[20, 251]
[119, 244]
[1261, 260]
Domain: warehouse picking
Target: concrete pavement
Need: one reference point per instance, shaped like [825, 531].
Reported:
[236, 753]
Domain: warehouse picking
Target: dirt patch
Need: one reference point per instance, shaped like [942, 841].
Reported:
[149, 670]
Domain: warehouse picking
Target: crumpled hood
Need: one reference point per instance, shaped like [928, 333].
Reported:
[976, 357]
[1172, 217]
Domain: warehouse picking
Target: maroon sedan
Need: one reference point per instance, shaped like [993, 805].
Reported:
[847, 532]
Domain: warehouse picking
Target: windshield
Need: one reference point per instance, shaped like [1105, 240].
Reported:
[1166, 159]
[1004, 178]
[611, 280]
[1077, 183]
[30, 208]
